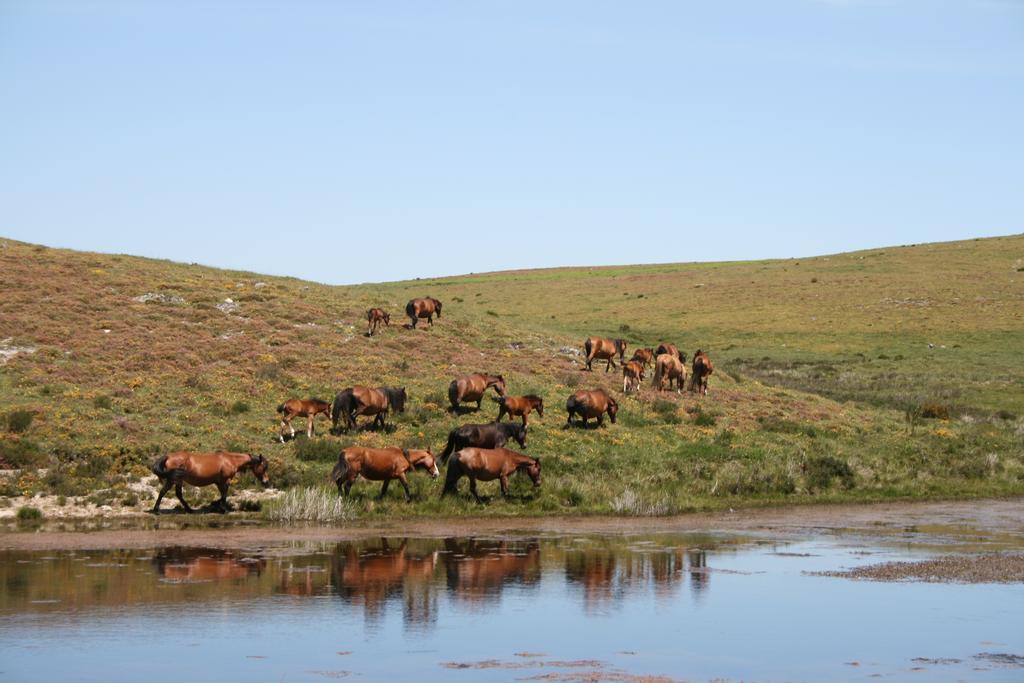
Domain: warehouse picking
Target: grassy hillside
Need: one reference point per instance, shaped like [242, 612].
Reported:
[827, 369]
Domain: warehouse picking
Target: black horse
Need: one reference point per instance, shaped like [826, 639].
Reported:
[490, 435]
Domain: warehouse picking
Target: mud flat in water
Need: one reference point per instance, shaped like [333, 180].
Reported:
[983, 568]
[978, 525]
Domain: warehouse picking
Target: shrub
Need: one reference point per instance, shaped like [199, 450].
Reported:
[20, 453]
[271, 372]
[102, 402]
[571, 380]
[29, 514]
[667, 410]
[239, 407]
[18, 421]
[821, 470]
[323, 450]
[624, 327]
[934, 410]
[705, 419]
[1006, 415]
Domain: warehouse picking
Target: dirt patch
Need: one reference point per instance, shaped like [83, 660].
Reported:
[987, 568]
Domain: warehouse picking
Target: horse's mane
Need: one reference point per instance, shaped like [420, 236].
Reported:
[533, 397]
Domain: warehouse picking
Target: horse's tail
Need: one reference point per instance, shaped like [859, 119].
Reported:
[410, 309]
[452, 476]
[453, 394]
[448, 449]
[342, 402]
[159, 467]
[587, 346]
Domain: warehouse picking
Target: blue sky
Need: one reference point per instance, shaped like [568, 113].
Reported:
[367, 141]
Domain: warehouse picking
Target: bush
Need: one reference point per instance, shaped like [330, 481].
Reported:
[20, 453]
[18, 421]
[821, 470]
[102, 402]
[323, 450]
[29, 514]
[667, 410]
[705, 419]
[239, 407]
[934, 410]
[1006, 415]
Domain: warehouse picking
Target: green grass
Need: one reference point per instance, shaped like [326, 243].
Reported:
[877, 375]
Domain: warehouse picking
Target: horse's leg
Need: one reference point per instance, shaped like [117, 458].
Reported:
[160, 496]
[309, 426]
[223, 488]
[478, 402]
[384, 489]
[430, 319]
[405, 485]
[472, 489]
[177, 492]
[524, 419]
[504, 485]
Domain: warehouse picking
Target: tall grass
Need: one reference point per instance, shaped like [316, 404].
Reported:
[310, 504]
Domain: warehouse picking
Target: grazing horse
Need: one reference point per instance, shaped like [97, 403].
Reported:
[423, 308]
[309, 409]
[203, 469]
[472, 387]
[669, 367]
[519, 406]
[599, 348]
[490, 435]
[360, 400]
[374, 317]
[644, 356]
[380, 464]
[588, 404]
[632, 375]
[702, 369]
[488, 464]
[669, 348]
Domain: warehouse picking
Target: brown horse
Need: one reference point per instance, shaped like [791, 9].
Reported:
[380, 464]
[588, 404]
[669, 348]
[472, 387]
[360, 400]
[599, 348]
[632, 375]
[423, 308]
[643, 356]
[519, 406]
[203, 469]
[308, 408]
[488, 464]
[702, 369]
[374, 317]
[669, 367]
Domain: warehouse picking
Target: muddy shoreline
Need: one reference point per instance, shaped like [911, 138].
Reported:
[1002, 522]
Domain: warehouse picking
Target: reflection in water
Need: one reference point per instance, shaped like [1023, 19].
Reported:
[375, 576]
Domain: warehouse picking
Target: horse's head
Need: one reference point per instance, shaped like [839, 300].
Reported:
[387, 318]
[498, 382]
[620, 347]
[397, 399]
[423, 459]
[613, 408]
[519, 433]
[437, 307]
[259, 465]
[540, 407]
[532, 470]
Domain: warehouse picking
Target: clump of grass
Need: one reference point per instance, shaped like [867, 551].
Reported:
[102, 402]
[18, 421]
[703, 419]
[197, 382]
[630, 503]
[491, 313]
[270, 372]
[239, 407]
[667, 410]
[311, 504]
[323, 450]
[934, 410]
[571, 380]
[821, 471]
[29, 514]
[1006, 415]
[624, 327]
[783, 426]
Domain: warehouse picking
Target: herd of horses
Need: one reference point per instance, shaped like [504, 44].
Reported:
[474, 451]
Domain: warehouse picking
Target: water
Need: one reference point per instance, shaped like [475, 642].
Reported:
[514, 607]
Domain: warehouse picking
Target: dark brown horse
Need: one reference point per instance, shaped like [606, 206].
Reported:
[427, 308]
[380, 464]
[702, 369]
[472, 387]
[588, 404]
[374, 317]
[308, 408]
[490, 435]
[669, 367]
[669, 348]
[632, 375]
[203, 469]
[519, 406]
[488, 464]
[599, 348]
[360, 400]
[643, 356]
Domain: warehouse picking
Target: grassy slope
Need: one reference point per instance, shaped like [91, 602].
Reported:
[817, 360]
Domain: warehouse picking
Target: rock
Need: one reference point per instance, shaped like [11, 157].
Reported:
[160, 298]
